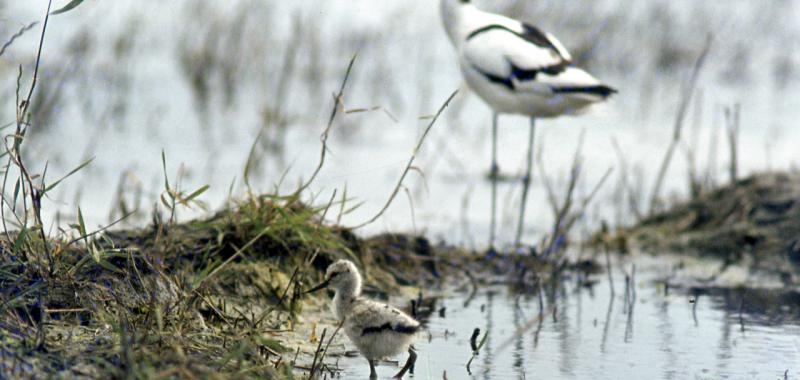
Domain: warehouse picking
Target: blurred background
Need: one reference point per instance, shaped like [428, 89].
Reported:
[216, 85]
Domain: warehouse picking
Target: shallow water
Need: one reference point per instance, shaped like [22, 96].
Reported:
[125, 92]
[125, 108]
[594, 336]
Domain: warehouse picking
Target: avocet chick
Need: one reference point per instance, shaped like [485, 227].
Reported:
[378, 330]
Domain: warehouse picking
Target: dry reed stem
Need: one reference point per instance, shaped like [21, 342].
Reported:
[410, 163]
[324, 137]
[686, 97]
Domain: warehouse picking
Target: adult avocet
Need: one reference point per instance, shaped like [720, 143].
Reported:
[516, 69]
[378, 330]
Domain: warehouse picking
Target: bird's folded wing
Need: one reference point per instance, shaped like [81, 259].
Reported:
[517, 54]
[372, 317]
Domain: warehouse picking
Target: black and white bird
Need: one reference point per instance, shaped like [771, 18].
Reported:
[517, 69]
[378, 330]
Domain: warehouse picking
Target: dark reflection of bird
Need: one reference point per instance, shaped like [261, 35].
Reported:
[793, 252]
[517, 69]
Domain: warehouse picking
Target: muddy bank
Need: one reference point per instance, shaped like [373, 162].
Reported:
[219, 297]
[212, 298]
[757, 218]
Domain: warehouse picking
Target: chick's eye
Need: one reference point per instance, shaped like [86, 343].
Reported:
[334, 274]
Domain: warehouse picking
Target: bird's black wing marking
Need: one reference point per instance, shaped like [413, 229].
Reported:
[600, 90]
[403, 329]
[522, 75]
[529, 33]
[537, 37]
[376, 329]
[530, 74]
[534, 36]
[506, 82]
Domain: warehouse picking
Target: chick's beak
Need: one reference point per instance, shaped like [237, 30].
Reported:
[323, 285]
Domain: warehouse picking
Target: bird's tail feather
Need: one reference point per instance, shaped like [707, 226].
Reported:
[598, 90]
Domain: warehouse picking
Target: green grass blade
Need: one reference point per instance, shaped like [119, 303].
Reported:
[77, 169]
[16, 193]
[196, 193]
[81, 224]
[166, 204]
[108, 266]
[483, 341]
[70, 6]
[164, 165]
[95, 252]
[23, 235]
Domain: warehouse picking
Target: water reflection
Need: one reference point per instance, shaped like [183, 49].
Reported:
[488, 356]
[575, 330]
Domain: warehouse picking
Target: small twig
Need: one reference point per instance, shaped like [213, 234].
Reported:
[695, 180]
[585, 202]
[324, 137]
[741, 308]
[476, 347]
[27, 102]
[411, 207]
[473, 340]
[633, 284]
[627, 292]
[551, 195]
[632, 197]
[732, 120]
[330, 340]
[102, 229]
[686, 98]
[54, 311]
[233, 257]
[316, 355]
[474, 282]
[288, 284]
[605, 232]
[410, 163]
[562, 212]
[16, 35]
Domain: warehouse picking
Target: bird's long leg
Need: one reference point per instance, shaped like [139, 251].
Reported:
[494, 173]
[526, 182]
[412, 358]
[372, 374]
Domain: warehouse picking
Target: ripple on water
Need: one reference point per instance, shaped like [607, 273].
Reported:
[592, 336]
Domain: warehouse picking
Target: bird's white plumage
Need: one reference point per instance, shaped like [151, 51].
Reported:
[378, 330]
[496, 50]
[515, 67]
[365, 314]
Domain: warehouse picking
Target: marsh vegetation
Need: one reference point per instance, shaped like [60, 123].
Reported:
[166, 195]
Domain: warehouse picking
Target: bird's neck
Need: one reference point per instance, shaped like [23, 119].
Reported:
[344, 298]
[454, 16]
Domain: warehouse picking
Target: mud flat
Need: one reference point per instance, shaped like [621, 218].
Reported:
[220, 297]
[754, 222]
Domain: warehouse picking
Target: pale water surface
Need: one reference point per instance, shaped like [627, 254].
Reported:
[594, 336]
[127, 79]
